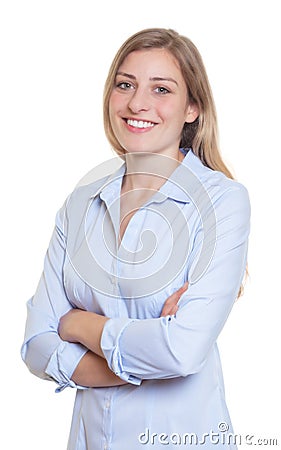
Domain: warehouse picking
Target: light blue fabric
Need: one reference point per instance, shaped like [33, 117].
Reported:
[195, 228]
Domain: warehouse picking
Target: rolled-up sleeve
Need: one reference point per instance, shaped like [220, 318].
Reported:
[179, 345]
[44, 352]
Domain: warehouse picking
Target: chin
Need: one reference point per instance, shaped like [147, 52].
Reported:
[139, 150]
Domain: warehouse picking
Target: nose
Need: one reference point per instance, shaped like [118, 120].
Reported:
[139, 101]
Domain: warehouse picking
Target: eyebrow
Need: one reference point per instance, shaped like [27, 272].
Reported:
[132, 77]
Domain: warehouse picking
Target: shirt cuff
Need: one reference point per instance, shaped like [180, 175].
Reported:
[63, 362]
[110, 345]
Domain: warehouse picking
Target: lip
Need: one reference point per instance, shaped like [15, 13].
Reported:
[137, 129]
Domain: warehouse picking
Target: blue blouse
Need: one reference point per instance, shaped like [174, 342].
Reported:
[194, 228]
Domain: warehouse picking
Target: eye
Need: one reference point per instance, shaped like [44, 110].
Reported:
[124, 85]
[162, 90]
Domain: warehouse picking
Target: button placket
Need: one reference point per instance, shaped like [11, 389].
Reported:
[107, 420]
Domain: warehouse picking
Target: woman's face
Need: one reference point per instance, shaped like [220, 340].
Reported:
[149, 103]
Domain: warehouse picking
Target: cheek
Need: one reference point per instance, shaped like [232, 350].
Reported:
[112, 110]
[111, 104]
[116, 101]
[116, 109]
[175, 114]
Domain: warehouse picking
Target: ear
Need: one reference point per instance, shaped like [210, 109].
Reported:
[192, 113]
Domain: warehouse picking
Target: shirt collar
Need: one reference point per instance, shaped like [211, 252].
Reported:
[112, 188]
[185, 180]
[108, 186]
[178, 187]
[172, 188]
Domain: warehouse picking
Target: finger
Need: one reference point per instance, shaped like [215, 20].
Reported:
[172, 301]
[165, 311]
[174, 310]
[184, 287]
[169, 310]
[176, 295]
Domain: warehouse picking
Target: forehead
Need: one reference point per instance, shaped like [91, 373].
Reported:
[151, 62]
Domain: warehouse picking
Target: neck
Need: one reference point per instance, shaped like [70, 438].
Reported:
[149, 170]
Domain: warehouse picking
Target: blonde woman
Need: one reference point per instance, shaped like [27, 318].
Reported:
[145, 263]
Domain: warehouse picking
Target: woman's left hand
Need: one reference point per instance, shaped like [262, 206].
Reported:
[171, 304]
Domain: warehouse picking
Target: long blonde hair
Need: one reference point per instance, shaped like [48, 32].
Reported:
[202, 134]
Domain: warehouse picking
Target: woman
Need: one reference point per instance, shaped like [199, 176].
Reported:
[145, 264]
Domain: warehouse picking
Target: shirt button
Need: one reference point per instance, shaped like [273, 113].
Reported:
[105, 446]
[107, 405]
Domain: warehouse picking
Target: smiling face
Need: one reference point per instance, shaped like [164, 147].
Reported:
[149, 103]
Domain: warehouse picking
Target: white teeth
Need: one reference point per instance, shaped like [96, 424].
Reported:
[139, 123]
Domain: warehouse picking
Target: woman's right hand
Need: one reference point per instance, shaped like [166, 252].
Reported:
[171, 304]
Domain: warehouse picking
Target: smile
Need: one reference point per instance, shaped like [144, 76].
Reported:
[139, 123]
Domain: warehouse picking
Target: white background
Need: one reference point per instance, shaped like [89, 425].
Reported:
[54, 60]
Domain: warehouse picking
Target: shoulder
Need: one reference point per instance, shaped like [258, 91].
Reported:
[230, 204]
[218, 199]
[88, 189]
[224, 189]
[219, 187]
[76, 204]
[96, 180]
